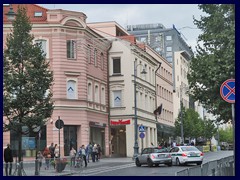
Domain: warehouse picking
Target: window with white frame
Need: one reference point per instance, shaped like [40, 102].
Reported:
[71, 49]
[169, 48]
[117, 98]
[95, 57]
[43, 44]
[89, 91]
[168, 38]
[71, 89]
[96, 94]
[116, 66]
[103, 96]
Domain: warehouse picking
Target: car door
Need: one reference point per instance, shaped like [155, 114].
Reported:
[143, 157]
[174, 153]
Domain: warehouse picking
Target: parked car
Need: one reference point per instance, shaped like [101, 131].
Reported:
[224, 146]
[154, 156]
[186, 154]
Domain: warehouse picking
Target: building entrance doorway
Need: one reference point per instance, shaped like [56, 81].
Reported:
[118, 141]
[70, 139]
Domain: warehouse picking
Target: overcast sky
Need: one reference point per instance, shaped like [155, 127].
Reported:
[181, 15]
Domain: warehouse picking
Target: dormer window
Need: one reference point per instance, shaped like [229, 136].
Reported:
[38, 14]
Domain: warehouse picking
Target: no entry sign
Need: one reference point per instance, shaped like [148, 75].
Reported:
[227, 90]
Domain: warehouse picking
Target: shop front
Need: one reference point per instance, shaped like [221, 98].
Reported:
[97, 134]
[118, 137]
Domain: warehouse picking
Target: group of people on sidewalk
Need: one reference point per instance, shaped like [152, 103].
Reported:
[92, 151]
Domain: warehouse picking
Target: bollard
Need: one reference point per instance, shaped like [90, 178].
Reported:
[36, 167]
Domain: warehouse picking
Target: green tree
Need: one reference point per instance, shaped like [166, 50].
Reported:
[209, 129]
[226, 135]
[27, 81]
[192, 124]
[214, 61]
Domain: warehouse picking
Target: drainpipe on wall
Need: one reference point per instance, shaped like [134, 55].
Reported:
[156, 88]
[108, 95]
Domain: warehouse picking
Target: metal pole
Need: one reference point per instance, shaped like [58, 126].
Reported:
[233, 124]
[135, 114]
[59, 135]
[181, 116]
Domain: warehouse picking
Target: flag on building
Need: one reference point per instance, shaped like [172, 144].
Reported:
[158, 111]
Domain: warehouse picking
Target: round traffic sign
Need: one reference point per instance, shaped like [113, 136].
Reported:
[227, 90]
[142, 135]
[59, 124]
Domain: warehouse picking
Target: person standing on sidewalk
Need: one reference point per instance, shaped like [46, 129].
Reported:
[8, 159]
[72, 156]
[84, 155]
[47, 155]
[89, 149]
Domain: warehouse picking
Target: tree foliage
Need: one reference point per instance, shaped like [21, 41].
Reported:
[27, 79]
[226, 135]
[214, 61]
[193, 125]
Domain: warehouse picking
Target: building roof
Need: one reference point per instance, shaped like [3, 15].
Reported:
[34, 12]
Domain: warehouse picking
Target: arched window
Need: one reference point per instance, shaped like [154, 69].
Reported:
[103, 96]
[71, 89]
[95, 57]
[96, 96]
[102, 61]
[89, 53]
[89, 91]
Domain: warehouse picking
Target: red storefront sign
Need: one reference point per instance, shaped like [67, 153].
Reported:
[120, 122]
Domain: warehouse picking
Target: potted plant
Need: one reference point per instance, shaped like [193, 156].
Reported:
[60, 164]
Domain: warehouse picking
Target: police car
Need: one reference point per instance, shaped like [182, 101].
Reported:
[186, 155]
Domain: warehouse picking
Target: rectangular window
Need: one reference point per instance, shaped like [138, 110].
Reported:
[38, 14]
[116, 66]
[71, 49]
[117, 98]
[168, 38]
[43, 45]
[169, 48]
[89, 53]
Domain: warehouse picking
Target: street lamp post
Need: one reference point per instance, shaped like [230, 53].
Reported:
[135, 110]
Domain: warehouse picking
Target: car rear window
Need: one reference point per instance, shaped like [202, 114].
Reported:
[189, 148]
[160, 150]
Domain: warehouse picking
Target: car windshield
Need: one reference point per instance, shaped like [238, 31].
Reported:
[157, 150]
[189, 148]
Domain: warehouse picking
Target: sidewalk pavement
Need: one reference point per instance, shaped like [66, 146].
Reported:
[29, 167]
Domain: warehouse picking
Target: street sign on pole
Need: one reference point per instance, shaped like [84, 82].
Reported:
[141, 128]
[227, 90]
[142, 135]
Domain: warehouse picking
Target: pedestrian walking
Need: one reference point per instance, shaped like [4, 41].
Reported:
[51, 149]
[89, 149]
[84, 155]
[39, 158]
[47, 156]
[8, 159]
[73, 156]
[99, 149]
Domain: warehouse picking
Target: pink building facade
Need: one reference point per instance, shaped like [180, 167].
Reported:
[78, 59]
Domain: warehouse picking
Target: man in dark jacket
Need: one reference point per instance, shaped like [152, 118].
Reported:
[8, 159]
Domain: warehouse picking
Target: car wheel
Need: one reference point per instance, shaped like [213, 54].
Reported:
[137, 163]
[157, 165]
[199, 163]
[169, 164]
[178, 162]
[150, 163]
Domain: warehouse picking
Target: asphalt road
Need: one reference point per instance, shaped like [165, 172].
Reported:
[128, 168]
